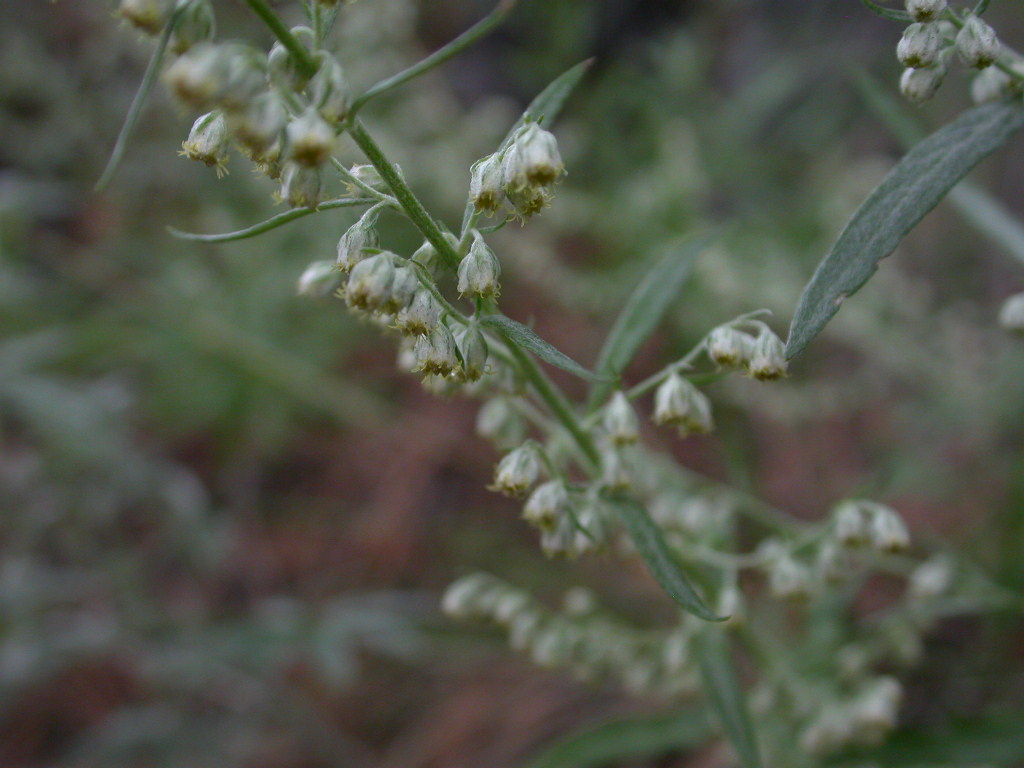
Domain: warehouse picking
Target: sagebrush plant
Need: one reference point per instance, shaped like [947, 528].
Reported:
[588, 484]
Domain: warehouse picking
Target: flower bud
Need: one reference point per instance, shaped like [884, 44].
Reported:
[319, 279]
[328, 90]
[789, 580]
[196, 24]
[925, 10]
[1011, 314]
[977, 44]
[428, 257]
[258, 124]
[420, 316]
[462, 598]
[403, 288]
[369, 284]
[148, 15]
[767, 358]
[485, 184]
[729, 347]
[532, 160]
[547, 505]
[310, 140]
[620, 420]
[920, 45]
[888, 531]
[560, 539]
[479, 271]
[517, 472]
[435, 351]
[207, 142]
[875, 709]
[365, 174]
[472, 348]
[851, 524]
[931, 579]
[527, 201]
[832, 564]
[677, 402]
[991, 84]
[357, 240]
[281, 66]
[300, 187]
[920, 85]
[245, 77]
[198, 77]
[499, 422]
[592, 519]
[615, 472]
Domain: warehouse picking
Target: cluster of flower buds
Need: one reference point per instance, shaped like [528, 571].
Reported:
[761, 356]
[929, 43]
[678, 403]
[578, 638]
[858, 522]
[861, 719]
[521, 173]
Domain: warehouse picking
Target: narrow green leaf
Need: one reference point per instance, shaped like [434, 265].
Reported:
[643, 311]
[135, 110]
[915, 186]
[521, 335]
[655, 551]
[722, 686]
[889, 13]
[627, 740]
[549, 102]
[272, 223]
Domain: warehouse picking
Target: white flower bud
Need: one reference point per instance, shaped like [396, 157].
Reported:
[991, 84]
[485, 184]
[246, 77]
[258, 124]
[517, 472]
[461, 599]
[620, 420]
[420, 315]
[547, 505]
[888, 532]
[920, 85]
[560, 539]
[435, 351]
[207, 142]
[789, 579]
[319, 279]
[615, 472]
[523, 630]
[300, 187]
[366, 174]
[499, 422]
[527, 200]
[360, 238]
[310, 139]
[875, 709]
[592, 534]
[925, 10]
[428, 257]
[729, 347]
[920, 45]
[509, 606]
[1011, 314]
[851, 524]
[369, 284]
[532, 160]
[479, 271]
[403, 288]
[196, 24]
[147, 15]
[678, 402]
[832, 564]
[199, 76]
[281, 66]
[932, 578]
[767, 358]
[472, 348]
[977, 44]
[829, 731]
[328, 90]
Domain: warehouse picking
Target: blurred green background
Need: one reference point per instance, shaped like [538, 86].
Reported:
[226, 518]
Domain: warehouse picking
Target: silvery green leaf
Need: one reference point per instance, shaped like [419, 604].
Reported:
[525, 337]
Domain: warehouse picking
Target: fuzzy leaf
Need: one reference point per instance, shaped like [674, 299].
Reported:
[643, 311]
[519, 334]
[655, 551]
[627, 740]
[725, 694]
[915, 186]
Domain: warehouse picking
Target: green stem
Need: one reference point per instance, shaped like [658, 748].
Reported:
[303, 59]
[410, 203]
[556, 403]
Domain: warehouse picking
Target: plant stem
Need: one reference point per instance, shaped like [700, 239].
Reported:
[410, 203]
[303, 59]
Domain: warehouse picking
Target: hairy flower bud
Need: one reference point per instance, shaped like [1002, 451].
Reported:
[977, 44]
[420, 315]
[198, 77]
[851, 524]
[615, 473]
[789, 579]
[329, 91]
[620, 420]
[677, 402]
[207, 142]
[499, 422]
[300, 187]
[258, 125]
[435, 351]
[485, 184]
[369, 284]
[428, 257]
[991, 84]
[319, 279]
[888, 531]
[925, 10]
[310, 139]
[592, 519]
[517, 472]
[246, 77]
[472, 348]
[932, 578]
[920, 45]
[920, 85]
[358, 241]
[547, 505]
[196, 24]
[479, 271]
[729, 347]
[364, 174]
[1011, 314]
[532, 160]
[281, 66]
[147, 15]
[527, 201]
[767, 358]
